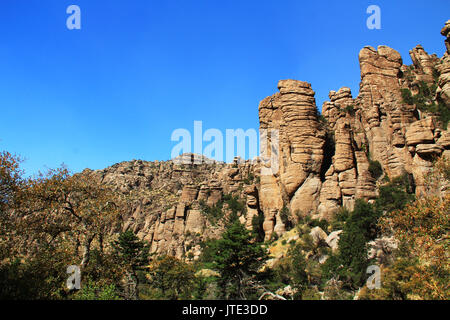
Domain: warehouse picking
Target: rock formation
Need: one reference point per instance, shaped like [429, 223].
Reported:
[324, 160]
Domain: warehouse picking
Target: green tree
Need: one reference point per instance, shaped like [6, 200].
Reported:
[297, 270]
[396, 194]
[10, 182]
[285, 215]
[132, 253]
[349, 264]
[172, 278]
[238, 258]
[375, 168]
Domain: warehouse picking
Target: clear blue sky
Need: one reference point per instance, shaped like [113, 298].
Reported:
[138, 69]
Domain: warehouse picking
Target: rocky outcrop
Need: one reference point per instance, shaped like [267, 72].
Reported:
[446, 33]
[381, 249]
[443, 90]
[168, 199]
[323, 161]
[293, 113]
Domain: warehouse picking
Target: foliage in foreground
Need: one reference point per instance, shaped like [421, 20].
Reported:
[237, 257]
[56, 220]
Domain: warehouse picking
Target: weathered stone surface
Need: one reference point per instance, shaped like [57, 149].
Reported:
[333, 239]
[443, 90]
[381, 249]
[293, 113]
[429, 149]
[421, 132]
[424, 62]
[322, 163]
[444, 140]
[318, 235]
[306, 199]
[446, 33]
[194, 222]
[330, 195]
[189, 193]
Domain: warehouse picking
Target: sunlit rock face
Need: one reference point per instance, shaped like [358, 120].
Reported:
[323, 160]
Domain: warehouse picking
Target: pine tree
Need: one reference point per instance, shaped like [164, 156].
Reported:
[132, 254]
[237, 257]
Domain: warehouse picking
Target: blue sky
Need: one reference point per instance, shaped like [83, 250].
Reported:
[139, 69]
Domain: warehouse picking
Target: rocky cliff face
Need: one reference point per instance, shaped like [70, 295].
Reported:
[324, 160]
[170, 200]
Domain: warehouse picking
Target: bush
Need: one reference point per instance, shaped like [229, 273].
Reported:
[311, 223]
[214, 213]
[425, 101]
[322, 224]
[375, 169]
[285, 216]
[93, 291]
[351, 262]
[349, 109]
[250, 178]
[338, 221]
[407, 96]
[297, 271]
[257, 227]
[396, 194]
[171, 278]
[234, 204]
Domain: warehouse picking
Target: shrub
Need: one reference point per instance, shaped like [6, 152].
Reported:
[297, 271]
[349, 109]
[396, 194]
[407, 96]
[375, 169]
[237, 258]
[285, 216]
[257, 227]
[338, 221]
[424, 100]
[349, 264]
[214, 213]
[249, 178]
[322, 224]
[93, 291]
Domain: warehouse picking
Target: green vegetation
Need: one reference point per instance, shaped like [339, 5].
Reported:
[311, 223]
[250, 178]
[132, 254]
[322, 120]
[92, 291]
[350, 109]
[234, 204]
[396, 194]
[215, 213]
[237, 258]
[285, 216]
[361, 226]
[170, 278]
[338, 221]
[424, 100]
[212, 213]
[257, 227]
[34, 254]
[421, 267]
[297, 270]
[375, 169]
[350, 263]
